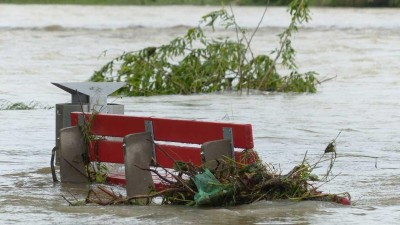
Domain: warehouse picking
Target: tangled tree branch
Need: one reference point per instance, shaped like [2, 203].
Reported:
[196, 63]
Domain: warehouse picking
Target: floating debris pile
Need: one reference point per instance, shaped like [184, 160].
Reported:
[230, 183]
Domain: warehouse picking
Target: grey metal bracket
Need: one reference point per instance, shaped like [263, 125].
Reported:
[228, 135]
[94, 93]
[148, 125]
[72, 165]
[214, 151]
[137, 157]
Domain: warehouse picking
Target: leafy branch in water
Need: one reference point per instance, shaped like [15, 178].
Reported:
[196, 63]
[300, 13]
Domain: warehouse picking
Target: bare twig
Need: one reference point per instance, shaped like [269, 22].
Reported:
[179, 180]
[248, 48]
[164, 152]
[70, 203]
[157, 173]
[328, 180]
[327, 79]
[110, 193]
[287, 34]
[258, 26]
[173, 175]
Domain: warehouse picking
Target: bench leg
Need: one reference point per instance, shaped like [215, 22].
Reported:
[138, 153]
[213, 151]
[72, 166]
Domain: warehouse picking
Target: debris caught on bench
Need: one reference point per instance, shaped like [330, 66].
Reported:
[184, 175]
[235, 184]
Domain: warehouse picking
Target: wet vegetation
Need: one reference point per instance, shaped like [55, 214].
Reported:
[230, 183]
[7, 105]
[197, 63]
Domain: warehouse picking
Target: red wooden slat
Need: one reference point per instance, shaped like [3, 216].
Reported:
[112, 125]
[107, 151]
[173, 130]
[167, 154]
[113, 152]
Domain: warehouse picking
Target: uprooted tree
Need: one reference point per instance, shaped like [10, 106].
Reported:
[196, 63]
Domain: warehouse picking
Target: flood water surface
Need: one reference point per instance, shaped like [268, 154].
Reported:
[359, 48]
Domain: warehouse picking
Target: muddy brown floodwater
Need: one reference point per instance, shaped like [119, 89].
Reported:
[43, 44]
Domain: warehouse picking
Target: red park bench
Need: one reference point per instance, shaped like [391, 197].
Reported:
[138, 142]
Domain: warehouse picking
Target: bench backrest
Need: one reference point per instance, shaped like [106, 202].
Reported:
[164, 130]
